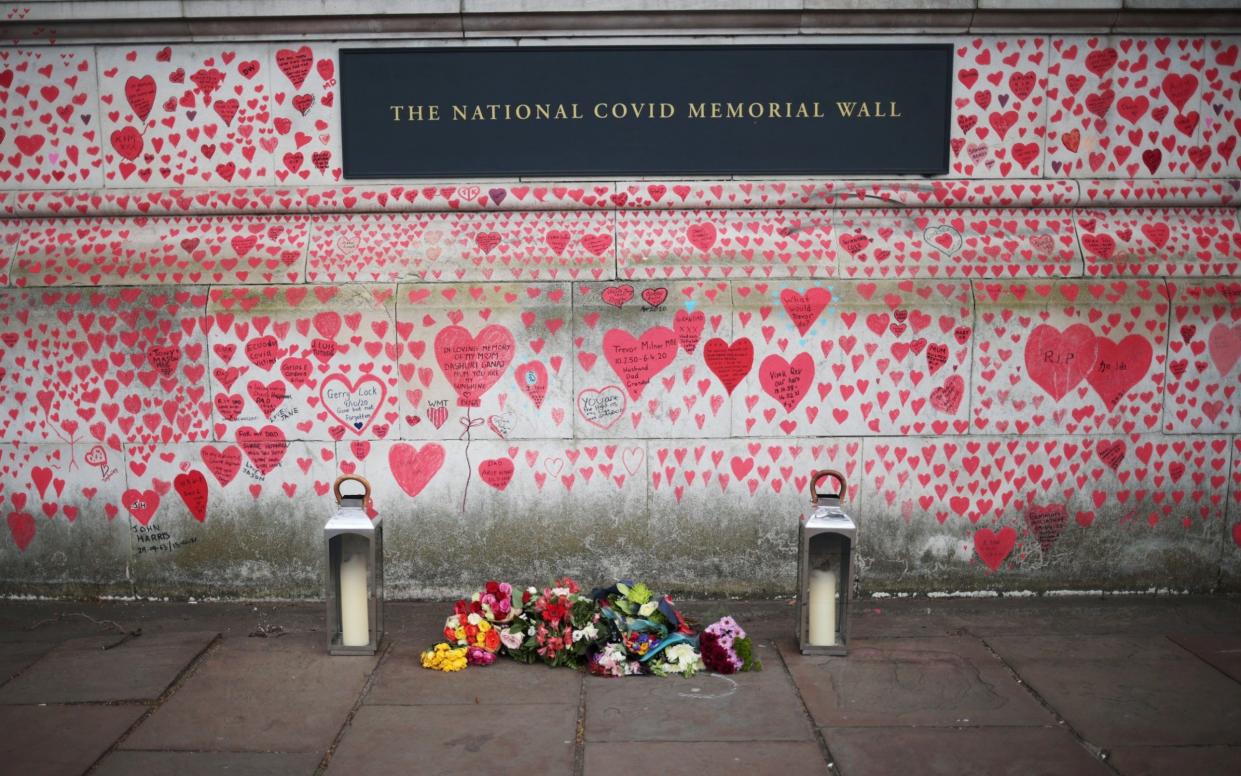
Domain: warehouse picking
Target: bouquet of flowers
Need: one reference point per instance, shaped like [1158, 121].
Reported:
[474, 619]
[566, 624]
[726, 649]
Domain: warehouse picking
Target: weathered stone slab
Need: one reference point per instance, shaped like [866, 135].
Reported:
[676, 244]
[36, 738]
[16, 656]
[62, 535]
[1069, 357]
[51, 126]
[685, 759]
[956, 243]
[1128, 690]
[1203, 348]
[402, 681]
[934, 682]
[1221, 651]
[465, 500]
[999, 87]
[507, 246]
[706, 706]
[259, 695]
[724, 512]
[853, 357]
[1056, 512]
[82, 670]
[638, 369]
[243, 517]
[1161, 243]
[207, 764]
[465, 738]
[1121, 107]
[161, 251]
[1047, 751]
[1156, 760]
[485, 361]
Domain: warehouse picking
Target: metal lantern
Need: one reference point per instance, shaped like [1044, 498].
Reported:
[355, 573]
[824, 571]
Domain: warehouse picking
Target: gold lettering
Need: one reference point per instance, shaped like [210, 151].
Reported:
[667, 110]
[459, 113]
[697, 110]
[520, 111]
[601, 110]
[895, 113]
[863, 112]
[818, 113]
[846, 108]
[544, 111]
[396, 112]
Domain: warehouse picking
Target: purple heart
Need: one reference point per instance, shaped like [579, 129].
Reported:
[1003, 100]
[191, 114]
[1055, 166]
[497, 195]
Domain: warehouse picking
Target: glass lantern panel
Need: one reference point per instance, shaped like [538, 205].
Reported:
[825, 554]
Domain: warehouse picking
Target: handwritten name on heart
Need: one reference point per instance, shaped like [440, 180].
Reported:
[414, 467]
[787, 382]
[496, 472]
[636, 361]
[473, 364]
[356, 403]
[1118, 367]
[602, 407]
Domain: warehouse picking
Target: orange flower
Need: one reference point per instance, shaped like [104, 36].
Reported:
[492, 642]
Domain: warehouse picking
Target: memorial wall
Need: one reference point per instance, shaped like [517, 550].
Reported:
[1026, 365]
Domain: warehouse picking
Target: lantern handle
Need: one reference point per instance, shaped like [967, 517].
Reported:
[817, 476]
[366, 497]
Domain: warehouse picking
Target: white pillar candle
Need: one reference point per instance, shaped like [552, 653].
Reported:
[354, 612]
[822, 604]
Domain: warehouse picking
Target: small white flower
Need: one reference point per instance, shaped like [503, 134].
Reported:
[589, 633]
[648, 608]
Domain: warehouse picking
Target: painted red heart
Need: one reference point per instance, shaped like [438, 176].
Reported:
[804, 308]
[1118, 367]
[532, 380]
[702, 236]
[1057, 361]
[655, 296]
[947, 398]
[295, 64]
[356, 403]
[617, 295]
[1224, 345]
[496, 472]
[140, 93]
[473, 364]
[192, 487]
[22, 526]
[264, 447]
[414, 468]
[223, 464]
[1047, 523]
[786, 382]
[140, 503]
[730, 363]
[636, 361]
[993, 547]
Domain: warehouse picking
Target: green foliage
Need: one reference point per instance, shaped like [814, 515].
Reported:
[745, 651]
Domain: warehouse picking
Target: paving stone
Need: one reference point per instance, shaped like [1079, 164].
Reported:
[81, 670]
[54, 740]
[402, 681]
[1161, 760]
[458, 739]
[1128, 690]
[933, 681]
[283, 694]
[18, 655]
[1034, 751]
[756, 706]
[669, 758]
[207, 764]
[1223, 652]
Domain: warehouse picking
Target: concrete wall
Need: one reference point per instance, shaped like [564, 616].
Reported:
[1027, 369]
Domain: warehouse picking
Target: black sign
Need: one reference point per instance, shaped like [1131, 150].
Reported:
[649, 110]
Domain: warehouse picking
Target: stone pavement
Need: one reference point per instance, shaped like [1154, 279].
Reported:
[1118, 685]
